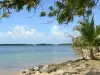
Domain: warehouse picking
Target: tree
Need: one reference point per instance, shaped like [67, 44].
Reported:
[78, 44]
[17, 5]
[66, 10]
[90, 34]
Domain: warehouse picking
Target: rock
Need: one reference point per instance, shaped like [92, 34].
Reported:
[87, 65]
[73, 71]
[93, 73]
[43, 70]
[32, 69]
[66, 68]
[45, 66]
[23, 71]
[36, 68]
[65, 73]
[37, 72]
[52, 73]
[48, 70]
[27, 72]
[59, 72]
[40, 66]
[83, 66]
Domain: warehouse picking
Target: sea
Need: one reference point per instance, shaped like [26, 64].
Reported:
[13, 59]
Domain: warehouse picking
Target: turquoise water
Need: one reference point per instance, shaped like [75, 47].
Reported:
[15, 58]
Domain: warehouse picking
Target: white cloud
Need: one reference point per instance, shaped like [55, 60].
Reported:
[56, 31]
[21, 31]
[22, 34]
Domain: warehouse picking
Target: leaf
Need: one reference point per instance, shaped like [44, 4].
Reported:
[43, 13]
[59, 4]
[51, 8]
[51, 14]
[19, 7]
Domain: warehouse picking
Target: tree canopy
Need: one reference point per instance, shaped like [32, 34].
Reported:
[64, 10]
[17, 5]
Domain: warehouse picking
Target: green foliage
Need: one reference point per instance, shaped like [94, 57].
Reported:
[87, 30]
[89, 36]
[51, 14]
[30, 5]
[79, 42]
[59, 4]
[51, 8]
[66, 10]
[43, 13]
[18, 5]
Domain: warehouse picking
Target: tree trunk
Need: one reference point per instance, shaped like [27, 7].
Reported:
[92, 54]
[83, 55]
[98, 49]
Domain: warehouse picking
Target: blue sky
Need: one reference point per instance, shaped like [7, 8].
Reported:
[18, 28]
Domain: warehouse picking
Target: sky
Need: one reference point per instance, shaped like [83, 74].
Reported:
[24, 28]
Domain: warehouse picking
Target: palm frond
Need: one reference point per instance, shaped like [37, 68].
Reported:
[87, 30]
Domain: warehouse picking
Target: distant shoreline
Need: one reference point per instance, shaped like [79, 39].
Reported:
[33, 44]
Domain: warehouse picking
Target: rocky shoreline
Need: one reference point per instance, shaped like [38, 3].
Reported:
[76, 67]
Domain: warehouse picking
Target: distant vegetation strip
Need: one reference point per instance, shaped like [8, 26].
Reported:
[32, 44]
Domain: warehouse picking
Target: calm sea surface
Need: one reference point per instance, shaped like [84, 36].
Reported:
[15, 58]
